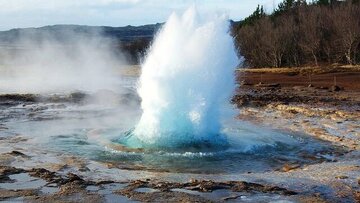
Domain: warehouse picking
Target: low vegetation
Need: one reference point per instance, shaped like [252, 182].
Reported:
[306, 70]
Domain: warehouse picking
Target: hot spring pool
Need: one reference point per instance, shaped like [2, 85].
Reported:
[97, 132]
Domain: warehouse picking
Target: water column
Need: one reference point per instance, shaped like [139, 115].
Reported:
[187, 77]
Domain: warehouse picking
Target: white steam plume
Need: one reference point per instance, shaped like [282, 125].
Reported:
[48, 65]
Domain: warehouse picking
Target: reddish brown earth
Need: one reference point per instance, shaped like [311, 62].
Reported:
[346, 77]
[350, 81]
[340, 89]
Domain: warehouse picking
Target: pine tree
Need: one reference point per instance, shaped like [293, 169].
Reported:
[323, 2]
[288, 5]
[256, 15]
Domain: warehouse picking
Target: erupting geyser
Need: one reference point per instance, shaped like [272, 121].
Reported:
[187, 77]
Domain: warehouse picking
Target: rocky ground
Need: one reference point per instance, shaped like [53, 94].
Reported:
[72, 188]
[281, 101]
[325, 106]
[322, 109]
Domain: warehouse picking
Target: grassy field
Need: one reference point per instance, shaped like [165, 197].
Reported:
[134, 70]
[304, 70]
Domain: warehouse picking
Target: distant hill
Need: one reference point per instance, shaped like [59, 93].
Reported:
[133, 41]
[62, 32]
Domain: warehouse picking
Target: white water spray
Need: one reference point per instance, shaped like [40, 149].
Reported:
[186, 79]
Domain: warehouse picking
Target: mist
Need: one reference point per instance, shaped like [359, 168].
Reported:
[63, 62]
[78, 83]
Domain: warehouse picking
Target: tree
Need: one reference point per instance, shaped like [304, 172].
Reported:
[328, 35]
[324, 31]
[310, 36]
[288, 5]
[323, 2]
[256, 15]
[346, 19]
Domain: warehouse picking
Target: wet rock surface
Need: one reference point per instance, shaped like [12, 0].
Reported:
[57, 187]
[324, 114]
[73, 188]
[126, 96]
[206, 186]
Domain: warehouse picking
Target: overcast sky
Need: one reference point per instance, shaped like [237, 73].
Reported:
[36, 13]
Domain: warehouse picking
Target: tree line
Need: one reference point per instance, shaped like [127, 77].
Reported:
[298, 33]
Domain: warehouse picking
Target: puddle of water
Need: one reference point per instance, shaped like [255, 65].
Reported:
[109, 188]
[12, 200]
[23, 181]
[107, 191]
[92, 188]
[192, 192]
[146, 190]
[118, 198]
[49, 190]
[222, 194]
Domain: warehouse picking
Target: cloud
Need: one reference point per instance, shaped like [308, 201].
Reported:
[26, 5]
[35, 13]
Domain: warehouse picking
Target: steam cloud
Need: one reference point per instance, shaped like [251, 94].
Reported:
[48, 64]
